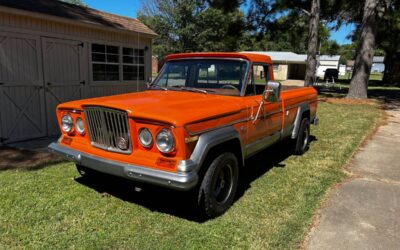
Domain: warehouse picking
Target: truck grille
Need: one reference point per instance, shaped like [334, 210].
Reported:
[108, 129]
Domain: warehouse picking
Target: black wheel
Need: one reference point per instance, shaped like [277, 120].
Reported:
[218, 188]
[303, 138]
[84, 171]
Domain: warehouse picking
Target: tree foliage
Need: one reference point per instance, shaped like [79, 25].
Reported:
[269, 25]
[194, 25]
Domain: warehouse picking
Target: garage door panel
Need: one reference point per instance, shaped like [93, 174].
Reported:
[62, 75]
[68, 56]
[55, 96]
[23, 118]
[19, 59]
[22, 113]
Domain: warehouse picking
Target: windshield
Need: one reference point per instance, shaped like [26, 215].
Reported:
[217, 76]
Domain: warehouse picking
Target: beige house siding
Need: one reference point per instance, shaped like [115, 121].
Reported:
[29, 92]
[281, 73]
[50, 28]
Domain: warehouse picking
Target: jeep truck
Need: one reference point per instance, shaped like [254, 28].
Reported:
[192, 129]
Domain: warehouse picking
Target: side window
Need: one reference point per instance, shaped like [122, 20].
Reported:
[259, 80]
[133, 64]
[105, 62]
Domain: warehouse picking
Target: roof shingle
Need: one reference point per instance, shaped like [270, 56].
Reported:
[79, 13]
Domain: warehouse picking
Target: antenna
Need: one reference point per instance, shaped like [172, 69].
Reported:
[137, 63]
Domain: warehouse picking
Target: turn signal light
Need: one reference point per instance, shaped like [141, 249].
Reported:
[165, 162]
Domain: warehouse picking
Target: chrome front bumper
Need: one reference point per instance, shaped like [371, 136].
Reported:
[179, 181]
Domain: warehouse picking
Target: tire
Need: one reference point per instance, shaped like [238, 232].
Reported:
[218, 187]
[302, 142]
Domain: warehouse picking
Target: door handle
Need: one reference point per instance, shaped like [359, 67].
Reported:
[83, 82]
[49, 83]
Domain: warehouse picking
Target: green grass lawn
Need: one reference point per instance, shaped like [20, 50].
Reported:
[53, 208]
[373, 76]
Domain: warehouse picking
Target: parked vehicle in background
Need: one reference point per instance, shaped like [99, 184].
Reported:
[331, 75]
[194, 127]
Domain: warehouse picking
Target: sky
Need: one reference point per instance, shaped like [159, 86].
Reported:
[130, 8]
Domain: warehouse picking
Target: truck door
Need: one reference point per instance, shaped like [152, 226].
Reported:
[264, 129]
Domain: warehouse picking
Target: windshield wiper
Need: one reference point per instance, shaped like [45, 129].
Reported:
[155, 86]
[184, 88]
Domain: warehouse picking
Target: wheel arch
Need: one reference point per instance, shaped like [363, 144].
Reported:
[225, 139]
[302, 111]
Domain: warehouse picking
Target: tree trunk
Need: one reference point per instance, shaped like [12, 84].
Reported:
[365, 52]
[390, 54]
[388, 72]
[311, 66]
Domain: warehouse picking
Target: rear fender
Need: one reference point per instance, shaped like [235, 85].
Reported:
[303, 107]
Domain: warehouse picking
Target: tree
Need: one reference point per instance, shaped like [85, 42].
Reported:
[388, 39]
[311, 66]
[365, 51]
[76, 2]
[263, 14]
[194, 25]
[292, 29]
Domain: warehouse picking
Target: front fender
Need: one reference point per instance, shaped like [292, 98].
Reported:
[206, 142]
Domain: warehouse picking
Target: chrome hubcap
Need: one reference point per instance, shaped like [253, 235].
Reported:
[223, 183]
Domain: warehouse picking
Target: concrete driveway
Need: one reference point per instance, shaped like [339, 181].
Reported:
[364, 213]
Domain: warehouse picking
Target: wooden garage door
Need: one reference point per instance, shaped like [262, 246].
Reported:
[22, 111]
[63, 67]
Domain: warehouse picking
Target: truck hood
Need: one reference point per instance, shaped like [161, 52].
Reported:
[172, 107]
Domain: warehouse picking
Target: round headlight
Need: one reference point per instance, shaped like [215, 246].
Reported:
[80, 126]
[165, 141]
[67, 123]
[145, 137]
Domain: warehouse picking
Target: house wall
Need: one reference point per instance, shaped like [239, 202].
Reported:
[10, 22]
[297, 71]
[46, 62]
[280, 71]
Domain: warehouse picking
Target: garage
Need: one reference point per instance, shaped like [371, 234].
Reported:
[52, 52]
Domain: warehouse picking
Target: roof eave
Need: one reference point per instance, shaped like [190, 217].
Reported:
[73, 22]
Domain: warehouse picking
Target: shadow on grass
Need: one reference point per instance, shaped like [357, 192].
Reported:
[22, 159]
[183, 204]
[388, 96]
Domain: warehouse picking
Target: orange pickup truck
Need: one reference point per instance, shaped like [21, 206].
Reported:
[192, 129]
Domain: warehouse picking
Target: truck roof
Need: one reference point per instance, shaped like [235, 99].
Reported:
[248, 56]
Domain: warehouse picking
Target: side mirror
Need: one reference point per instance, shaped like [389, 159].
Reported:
[273, 92]
[149, 81]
